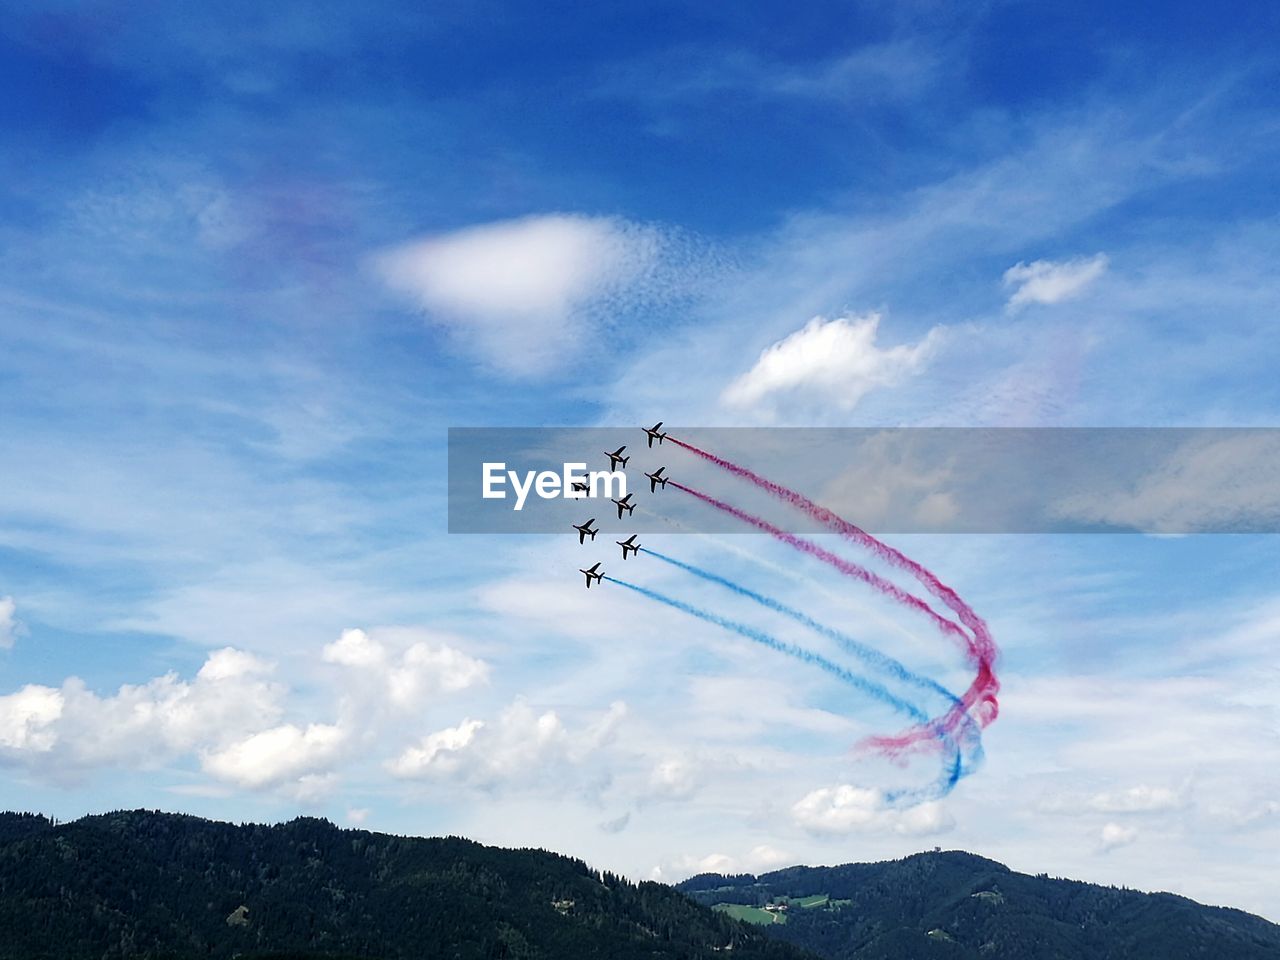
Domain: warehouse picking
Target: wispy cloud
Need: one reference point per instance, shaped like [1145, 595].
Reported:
[8, 623]
[1113, 836]
[1215, 481]
[527, 296]
[1139, 799]
[1049, 282]
[891, 71]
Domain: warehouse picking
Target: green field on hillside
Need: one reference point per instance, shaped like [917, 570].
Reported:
[741, 911]
[817, 900]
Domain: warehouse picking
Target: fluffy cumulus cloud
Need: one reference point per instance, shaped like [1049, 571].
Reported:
[64, 731]
[827, 362]
[522, 744]
[231, 719]
[846, 809]
[400, 674]
[28, 720]
[283, 755]
[1049, 281]
[8, 625]
[443, 752]
[519, 293]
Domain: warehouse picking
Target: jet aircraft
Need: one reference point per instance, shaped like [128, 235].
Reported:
[629, 544]
[625, 504]
[656, 480]
[586, 530]
[593, 573]
[616, 457]
[654, 434]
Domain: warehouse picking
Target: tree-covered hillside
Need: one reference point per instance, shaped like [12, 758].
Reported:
[155, 885]
[957, 906]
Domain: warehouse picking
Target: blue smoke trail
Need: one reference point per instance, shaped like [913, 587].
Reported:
[868, 655]
[951, 771]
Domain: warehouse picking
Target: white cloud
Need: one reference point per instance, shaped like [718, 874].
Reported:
[832, 362]
[1214, 481]
[354, 648]
[230, 663]
[1139, 799]
[8, 625]
[846, 808]
[874, 73]
[277, 756]
[230, 714]
[1261, 813]
[405, 679]
[521, 746]
[1048, 281]
[425, 669]
[891, 484]
[61, 732]
[1113, 836]
[438, 753]
[674, 778]
[519, 292]
[28, 718]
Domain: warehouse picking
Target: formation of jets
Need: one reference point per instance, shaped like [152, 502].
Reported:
[630, 546]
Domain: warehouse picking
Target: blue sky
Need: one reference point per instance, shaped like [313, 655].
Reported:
[255, 261]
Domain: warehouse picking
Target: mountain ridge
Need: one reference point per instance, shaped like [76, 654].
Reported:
[153, 885]
[970, 906]
[160, 886]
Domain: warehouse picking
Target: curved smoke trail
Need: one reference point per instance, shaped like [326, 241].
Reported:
[958, 715]
[981, 647]
[970, 735]
[952, 767]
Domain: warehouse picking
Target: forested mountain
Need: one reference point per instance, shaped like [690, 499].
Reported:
[154, 885]
[957, 906]
[143, 884]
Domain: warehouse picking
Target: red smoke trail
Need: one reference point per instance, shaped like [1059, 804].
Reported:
[959, 713]
[847, 567]
[981, 647]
